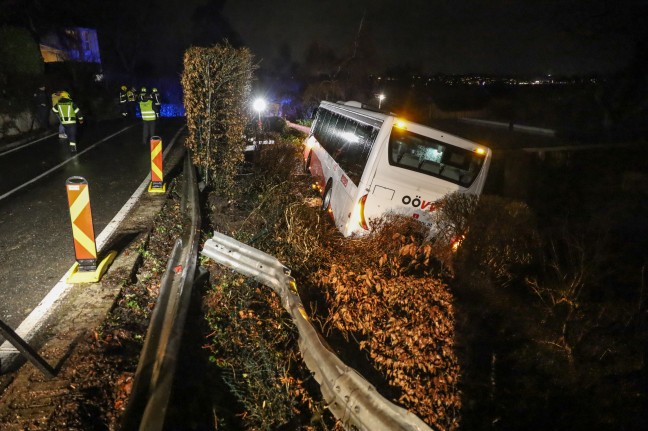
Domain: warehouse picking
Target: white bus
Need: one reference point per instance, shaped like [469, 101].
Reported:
[367, 163]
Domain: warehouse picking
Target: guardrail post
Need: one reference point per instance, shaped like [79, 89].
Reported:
[157, 184]
[85, 270]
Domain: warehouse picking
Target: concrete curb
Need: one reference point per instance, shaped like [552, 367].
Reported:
[28, 397]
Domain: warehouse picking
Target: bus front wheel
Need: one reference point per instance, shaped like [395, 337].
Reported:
[326, 198]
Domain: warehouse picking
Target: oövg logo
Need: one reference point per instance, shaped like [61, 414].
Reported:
[418, 203]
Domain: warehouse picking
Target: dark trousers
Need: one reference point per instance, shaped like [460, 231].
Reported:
[70, 131]
[132, 109]
[148, 131]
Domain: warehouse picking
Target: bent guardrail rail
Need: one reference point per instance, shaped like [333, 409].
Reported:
[147, 406]
[511, 126]
[350, 397]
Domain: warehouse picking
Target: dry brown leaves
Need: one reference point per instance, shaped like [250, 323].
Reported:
[382, 289]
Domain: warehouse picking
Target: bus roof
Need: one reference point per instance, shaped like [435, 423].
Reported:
[376, 118]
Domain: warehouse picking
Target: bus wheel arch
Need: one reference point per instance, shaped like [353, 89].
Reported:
[326, 196]
[307, 163]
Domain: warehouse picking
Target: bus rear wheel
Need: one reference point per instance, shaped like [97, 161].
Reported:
[326, 198]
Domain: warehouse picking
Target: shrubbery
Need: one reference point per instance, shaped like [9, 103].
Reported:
[383, 290]
[216, 83]
[494, 319]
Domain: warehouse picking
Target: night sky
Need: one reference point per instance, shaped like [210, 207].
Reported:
[453, 36]
[504, 37]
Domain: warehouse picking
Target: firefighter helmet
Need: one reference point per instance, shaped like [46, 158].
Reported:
[64, 94]
[123, 88]
[143, 90]
[154, 90]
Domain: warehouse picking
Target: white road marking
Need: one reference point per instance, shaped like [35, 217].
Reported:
[32, 323]
[21, 146]
[10, 192]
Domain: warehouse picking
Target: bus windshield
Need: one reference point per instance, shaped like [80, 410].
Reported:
[431, 157]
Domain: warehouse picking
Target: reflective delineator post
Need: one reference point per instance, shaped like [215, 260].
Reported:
[157, 184]
[85, 270]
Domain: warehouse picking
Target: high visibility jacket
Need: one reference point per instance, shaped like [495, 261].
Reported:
[156, 98]
[123, 96]
[146, 108]
[67, 111]
[130, 95]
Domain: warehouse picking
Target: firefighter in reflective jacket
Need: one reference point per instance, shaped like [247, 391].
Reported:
[156, 101]
[123, 101]
[132, 101]
[68, 113]
[55, 98]
[148, 116]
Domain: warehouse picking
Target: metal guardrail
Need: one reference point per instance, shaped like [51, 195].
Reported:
[146, 409]
[511, 126]
[350, 397]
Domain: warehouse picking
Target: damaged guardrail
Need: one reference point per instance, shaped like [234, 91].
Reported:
[349, 396]
[147, 405]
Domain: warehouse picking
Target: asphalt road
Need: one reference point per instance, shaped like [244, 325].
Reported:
[36, 246]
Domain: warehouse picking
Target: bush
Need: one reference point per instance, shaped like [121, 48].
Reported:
[19, 53]
[384, 290]
[249, 340]
[501, 239]
[216, 83]
[275, 125]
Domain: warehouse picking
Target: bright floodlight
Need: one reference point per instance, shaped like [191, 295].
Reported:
[381, 97]
[259, 105]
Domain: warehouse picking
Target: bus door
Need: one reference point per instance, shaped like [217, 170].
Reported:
[342, 202]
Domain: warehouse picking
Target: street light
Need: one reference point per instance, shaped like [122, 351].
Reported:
[381, 97]
[259, 105]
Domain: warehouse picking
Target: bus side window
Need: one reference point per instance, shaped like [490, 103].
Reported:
[398, 151]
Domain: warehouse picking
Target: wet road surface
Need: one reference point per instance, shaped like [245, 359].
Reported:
[36, 246]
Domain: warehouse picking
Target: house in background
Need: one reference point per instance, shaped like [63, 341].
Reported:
[71, 44]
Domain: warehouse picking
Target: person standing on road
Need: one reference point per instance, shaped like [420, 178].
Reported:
[156, 101]
[132, 102]
[148, 116]
[55, 98]
[68, 113]
[42, 105]
[123, 101]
